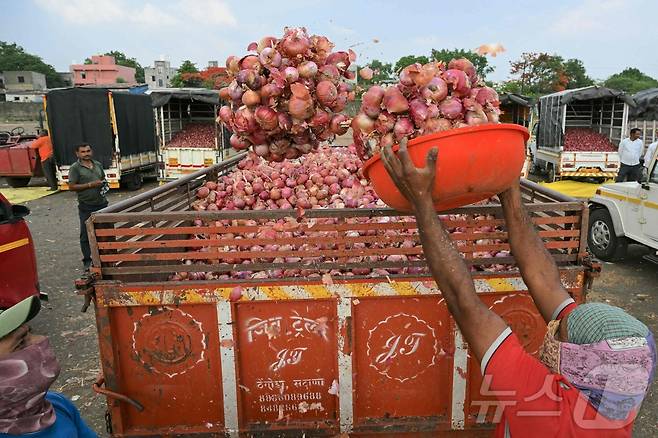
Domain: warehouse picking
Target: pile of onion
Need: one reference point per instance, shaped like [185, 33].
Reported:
[326, 178]
[427, 99]
[286, 96]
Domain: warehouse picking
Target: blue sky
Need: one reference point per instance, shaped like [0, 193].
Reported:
[608, 35]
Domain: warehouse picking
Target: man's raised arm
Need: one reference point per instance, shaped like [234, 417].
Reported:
[538, 268]
[479, 325]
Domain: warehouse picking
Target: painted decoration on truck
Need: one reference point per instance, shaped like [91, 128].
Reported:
[168, 341]
[402, 357]
[287, 361]
[402, 346]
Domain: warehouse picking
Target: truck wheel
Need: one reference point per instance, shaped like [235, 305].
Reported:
[18, 181]
[133, 181]
[603, 242]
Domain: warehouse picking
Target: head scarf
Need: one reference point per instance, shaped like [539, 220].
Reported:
[614, 369]
[25, 376]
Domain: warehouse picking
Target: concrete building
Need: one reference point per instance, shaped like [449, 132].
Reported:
[67, 77]
[24, 81]
[213, 64]
[103, 70]
[160, 75]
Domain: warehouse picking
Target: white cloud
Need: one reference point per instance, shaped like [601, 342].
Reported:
[84, 12]
[592, 16]
[208, 11]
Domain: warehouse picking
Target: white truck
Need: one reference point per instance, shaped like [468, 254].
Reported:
[623, 213]
[176, 110]
[598, 110]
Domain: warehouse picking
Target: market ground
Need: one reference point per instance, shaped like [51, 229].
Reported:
[631, 284]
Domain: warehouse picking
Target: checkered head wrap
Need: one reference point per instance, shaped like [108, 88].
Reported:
[596, 322]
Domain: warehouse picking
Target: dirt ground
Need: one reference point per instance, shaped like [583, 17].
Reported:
[631, 284]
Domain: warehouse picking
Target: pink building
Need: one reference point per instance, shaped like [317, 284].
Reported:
[102, 71]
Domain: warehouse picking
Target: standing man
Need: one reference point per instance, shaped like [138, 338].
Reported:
[597, 361]
[45, 147]
[86, 176]
[630, 151]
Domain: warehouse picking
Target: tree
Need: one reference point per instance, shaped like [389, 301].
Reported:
[535, 74]
[480, 62]
[576, 74]
[382, 72]
[121, 59]
[121, 80]
[631, 80]
[408, 60]
[187, 76]
[14, 57]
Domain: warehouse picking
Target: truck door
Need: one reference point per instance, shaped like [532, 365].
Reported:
[18, 269]
[649, 195]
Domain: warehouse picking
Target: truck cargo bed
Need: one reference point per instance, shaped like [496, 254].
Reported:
[319, 355]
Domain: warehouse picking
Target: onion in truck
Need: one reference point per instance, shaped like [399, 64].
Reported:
[579, 131]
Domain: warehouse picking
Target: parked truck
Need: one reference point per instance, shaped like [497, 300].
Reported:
[300, 356]
[590, 115]
[118, 125]
[644, 115]
[188, 136]
[18, 163]
[519, 109]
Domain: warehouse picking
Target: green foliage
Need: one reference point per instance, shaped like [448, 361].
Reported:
[121, 80]
[13, 57]
[536, 74]
[631, 80]
[408, 60]
[382, 72]
[185, 77]
[480, 62]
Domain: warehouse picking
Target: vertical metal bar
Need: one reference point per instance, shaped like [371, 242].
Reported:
[584, 232]
[105, 343]
[346, 391]
[228, 365]
[459, 371]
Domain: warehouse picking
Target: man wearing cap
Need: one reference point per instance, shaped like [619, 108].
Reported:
[596, 362]
[28, 367]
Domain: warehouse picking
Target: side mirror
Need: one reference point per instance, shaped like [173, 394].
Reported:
[19, 211]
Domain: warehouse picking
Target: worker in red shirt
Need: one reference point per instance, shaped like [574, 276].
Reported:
[596, 362]
[45, 147]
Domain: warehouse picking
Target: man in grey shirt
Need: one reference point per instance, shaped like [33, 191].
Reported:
[87, 178]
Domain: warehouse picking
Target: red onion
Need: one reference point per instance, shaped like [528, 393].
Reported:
[363, 123]
[418, 110]
[239, 143]
[326, 93]
[394, 101]
[366, 73]
[270, 57]
[295, 41]
[451, 107]
[466, 66]
[308, 69]
[336, 124]
[403, 128]
[250, 98]
[458, 81]
[266, 117]
[291, 74]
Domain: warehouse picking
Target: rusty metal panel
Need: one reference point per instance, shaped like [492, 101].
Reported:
[168, 360]
[287, 365]
[402, 361]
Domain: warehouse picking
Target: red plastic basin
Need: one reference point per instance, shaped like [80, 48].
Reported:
[474, 163]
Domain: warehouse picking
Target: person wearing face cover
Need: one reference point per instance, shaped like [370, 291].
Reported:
[596, 362]
[28, 367]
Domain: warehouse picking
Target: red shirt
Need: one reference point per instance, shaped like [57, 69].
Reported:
[537, 402]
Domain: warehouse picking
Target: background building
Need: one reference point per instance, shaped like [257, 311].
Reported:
[103, 70]
[160, 75]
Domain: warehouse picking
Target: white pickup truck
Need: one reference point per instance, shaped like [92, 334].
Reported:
[623, 213]
[598, 109]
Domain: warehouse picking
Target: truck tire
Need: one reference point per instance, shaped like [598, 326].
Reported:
[18, 181]
[602, 240]
[133, 181]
